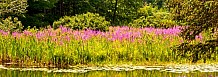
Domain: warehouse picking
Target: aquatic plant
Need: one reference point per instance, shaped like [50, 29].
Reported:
[64, 46]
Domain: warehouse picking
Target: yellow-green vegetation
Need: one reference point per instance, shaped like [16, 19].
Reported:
[82, 35]
[201, 16]
[83, 21]
[152, 16]
[63, 46]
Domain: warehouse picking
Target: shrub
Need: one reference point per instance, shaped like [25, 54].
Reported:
[14, 7]
[83, 21]
[201, 16]
[11, 24]
[153, 17]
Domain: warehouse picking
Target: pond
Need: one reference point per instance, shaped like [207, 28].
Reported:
[114, 71]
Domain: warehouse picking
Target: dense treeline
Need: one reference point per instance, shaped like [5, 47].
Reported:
[41, 13]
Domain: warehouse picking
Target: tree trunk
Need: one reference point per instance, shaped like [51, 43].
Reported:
[114, 16]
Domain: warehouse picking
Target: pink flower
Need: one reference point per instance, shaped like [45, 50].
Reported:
[27, 33]
[16, 34]
[5, 33]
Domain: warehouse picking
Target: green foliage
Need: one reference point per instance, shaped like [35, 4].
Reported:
[159, 3]
[39, 20]
[8, 10]
[39, 13]
[13, 7]
[153, 17]
[201, 16]
[41, 4]
[11, 24]
[126, 11]
[83, 21]
[147, 10]
[198, 51]
[44, 12]
[118, 12]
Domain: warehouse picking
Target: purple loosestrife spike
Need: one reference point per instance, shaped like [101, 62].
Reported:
[76, 34]
[86, 35]
[27, 33]
[60, 27]
[5, 33]
[16, 34]
[115, 33]
[67, 38]
[199, 37]
[51, 33]
[137, 35]
[103, 35]
[40, 35]
[113, 37]
[64, 29]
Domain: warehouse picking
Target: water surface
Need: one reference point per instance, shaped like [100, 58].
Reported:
[114, 71]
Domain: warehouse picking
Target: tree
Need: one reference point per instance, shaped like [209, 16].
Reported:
[200, 15]
[118, 12]
[125, 11]
[39, 13]
[159, 3]
[42, 13]
[9, 10]
[12, 7]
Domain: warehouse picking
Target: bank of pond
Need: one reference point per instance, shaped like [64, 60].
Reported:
[182, 70]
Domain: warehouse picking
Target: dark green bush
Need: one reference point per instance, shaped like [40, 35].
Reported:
[153, 17]
[201, 16]
[11, 24]
[83, 21]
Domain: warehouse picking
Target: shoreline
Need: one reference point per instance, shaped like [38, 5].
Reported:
[181, 68]
[38, 65]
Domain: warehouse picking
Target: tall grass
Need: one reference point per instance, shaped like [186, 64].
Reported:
[64, 46]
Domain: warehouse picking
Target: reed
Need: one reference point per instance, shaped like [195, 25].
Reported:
[63, 46]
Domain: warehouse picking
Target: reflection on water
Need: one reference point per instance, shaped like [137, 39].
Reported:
[103, 73]
[115, 71]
